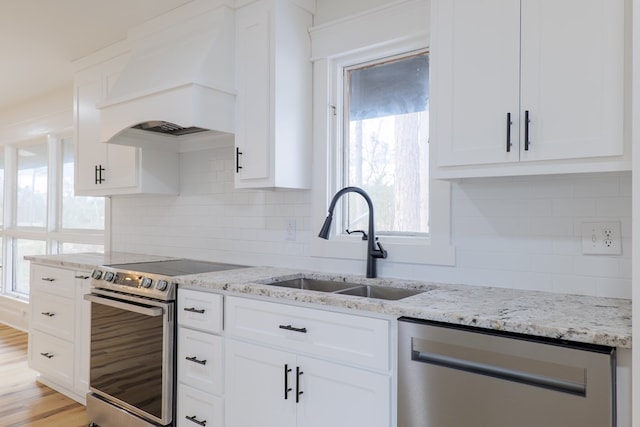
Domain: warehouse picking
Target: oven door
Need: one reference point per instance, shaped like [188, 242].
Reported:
[132, 355]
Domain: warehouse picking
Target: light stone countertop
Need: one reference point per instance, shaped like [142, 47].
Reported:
[89, 260]
[596, 320]
[587, 319]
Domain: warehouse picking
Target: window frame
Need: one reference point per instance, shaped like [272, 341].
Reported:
[53, 235]
[405, 30]
[343, 142]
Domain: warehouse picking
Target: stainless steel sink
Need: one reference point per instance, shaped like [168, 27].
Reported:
[314, 284]
[346, 288]
[381, 292]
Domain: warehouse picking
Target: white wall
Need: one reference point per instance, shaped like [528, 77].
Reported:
[508, 232]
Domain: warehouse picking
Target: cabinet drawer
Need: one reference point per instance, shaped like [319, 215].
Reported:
[362, 341]
[51, 356]
[53, 280]
[196, 408]
[200, 310]
[200, 360]
[52, 314]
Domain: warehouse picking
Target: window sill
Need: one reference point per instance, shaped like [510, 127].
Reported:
[419, 251]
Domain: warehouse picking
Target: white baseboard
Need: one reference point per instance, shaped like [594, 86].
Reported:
[14, 313]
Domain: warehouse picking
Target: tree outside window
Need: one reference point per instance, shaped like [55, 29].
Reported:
[386, 148]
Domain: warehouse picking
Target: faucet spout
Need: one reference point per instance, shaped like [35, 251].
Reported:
[374, 248]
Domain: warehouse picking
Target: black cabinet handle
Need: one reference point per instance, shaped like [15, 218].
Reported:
[298, 391]
[81, 277]
[291, 328]
[509, 123]
[287, 389]
[48, 314]
[97, 171]
[238, 154]
[194, 310]
[47, 355]
[48, 279]
[193, 419]
[196, 360]
[526, 130]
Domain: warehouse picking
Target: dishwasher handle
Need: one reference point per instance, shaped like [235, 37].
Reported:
[500, 372]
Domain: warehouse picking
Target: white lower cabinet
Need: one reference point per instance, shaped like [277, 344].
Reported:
[269, 387]
[58, 329]
[196, 408]
[279, 365]
[200, 399]
[286, 374]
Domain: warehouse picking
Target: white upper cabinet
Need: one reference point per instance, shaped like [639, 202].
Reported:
[104, 169]
[273, 104]
[527, 87]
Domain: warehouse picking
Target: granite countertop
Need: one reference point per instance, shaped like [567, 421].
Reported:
[588, 319]
[595, 320]
[89, 260]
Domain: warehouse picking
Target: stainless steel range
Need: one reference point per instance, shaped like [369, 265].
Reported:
[132, 362]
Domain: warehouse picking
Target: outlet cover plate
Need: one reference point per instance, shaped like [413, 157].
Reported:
[290, 229]
[601, 238]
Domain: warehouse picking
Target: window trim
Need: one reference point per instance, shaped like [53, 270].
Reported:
[53, 235]
[404, 31]
[342, 143]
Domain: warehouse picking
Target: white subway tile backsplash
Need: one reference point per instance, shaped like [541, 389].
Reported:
[613, 206]
[521, 232]
[573, 207]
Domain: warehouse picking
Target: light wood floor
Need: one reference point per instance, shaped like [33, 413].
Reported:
[23, 401]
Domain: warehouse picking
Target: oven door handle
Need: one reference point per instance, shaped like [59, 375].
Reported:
[147, 311]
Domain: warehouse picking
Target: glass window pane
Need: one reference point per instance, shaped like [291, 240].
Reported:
[32, 186]
[78, 212]
[74, 248]
[386, 150]
[24, 247]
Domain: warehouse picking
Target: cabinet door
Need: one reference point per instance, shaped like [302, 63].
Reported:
[52, 357]
[195, 408]
[255, 386]
[119, 163]
[254, 85]
[572, 78]
[273, 103]
[200, 310]
[200, 360]
[52, 314]
[340, 396]
[475, 59]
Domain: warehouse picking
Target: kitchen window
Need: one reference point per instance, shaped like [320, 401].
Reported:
[32, 186]
[385, 147]
[40, 213]
[371, 91]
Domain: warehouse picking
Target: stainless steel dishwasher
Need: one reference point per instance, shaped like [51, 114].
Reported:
[455, 376]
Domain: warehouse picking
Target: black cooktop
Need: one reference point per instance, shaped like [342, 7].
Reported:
[176, 267]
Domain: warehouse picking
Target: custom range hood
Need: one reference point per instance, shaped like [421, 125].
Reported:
[179, 80]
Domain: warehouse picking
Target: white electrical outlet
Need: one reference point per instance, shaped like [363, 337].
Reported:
[601, 238]
[289, 229]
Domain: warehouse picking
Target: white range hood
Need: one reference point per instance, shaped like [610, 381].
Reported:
[181, 76]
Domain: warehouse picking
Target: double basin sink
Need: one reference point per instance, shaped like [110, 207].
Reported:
[346, 288]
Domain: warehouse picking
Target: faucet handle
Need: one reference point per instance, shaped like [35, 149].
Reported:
[364, 234]
[381, 252]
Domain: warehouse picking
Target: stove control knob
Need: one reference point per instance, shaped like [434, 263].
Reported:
[146, 282]
[109, 276]
[97, 274]
[162, 285]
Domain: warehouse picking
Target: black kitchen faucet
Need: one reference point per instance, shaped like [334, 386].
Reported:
[374, 248]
